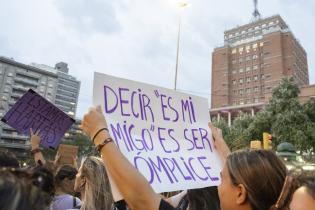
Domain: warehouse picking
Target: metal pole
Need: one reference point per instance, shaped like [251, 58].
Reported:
[177, 53]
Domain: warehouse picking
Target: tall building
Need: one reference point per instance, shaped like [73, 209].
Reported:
[68, 88]
[55, 84]
[15, 79]
[252, 61]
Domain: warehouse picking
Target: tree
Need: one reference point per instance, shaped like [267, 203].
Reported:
[309, 108]
[236, 136]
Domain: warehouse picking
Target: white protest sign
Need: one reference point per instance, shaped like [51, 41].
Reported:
[162, 132]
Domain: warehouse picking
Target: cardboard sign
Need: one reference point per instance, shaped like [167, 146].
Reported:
[34, 111]
[67, 153]
[163, 133]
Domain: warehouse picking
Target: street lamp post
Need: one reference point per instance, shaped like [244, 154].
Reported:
[181, 5]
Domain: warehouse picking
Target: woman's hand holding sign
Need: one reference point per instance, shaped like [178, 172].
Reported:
[219, 142]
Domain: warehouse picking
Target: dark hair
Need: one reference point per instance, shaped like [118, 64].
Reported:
[203, 199]
[43, 178]
[8, 159]
[63, 172]
[261, 172]
[19, 193]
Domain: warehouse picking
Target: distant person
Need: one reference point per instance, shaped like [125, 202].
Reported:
[64, 184]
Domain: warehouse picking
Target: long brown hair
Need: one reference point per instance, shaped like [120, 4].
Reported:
[97, 188]
[261, 172]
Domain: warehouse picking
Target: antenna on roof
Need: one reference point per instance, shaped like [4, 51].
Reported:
[256, 14]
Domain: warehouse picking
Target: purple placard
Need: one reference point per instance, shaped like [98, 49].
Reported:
[34, 111]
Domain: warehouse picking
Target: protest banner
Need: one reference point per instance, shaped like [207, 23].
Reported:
[162, 132]
[34, 111]
[67, 154]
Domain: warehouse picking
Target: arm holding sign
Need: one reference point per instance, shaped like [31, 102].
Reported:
[133, 186]
[38, 156]
[219, 142]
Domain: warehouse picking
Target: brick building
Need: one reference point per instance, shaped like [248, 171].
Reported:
[252, 61]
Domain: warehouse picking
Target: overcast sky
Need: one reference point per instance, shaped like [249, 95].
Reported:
[136, 39]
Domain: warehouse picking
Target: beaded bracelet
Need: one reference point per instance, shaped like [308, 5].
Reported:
[102, 129]
[101, 145]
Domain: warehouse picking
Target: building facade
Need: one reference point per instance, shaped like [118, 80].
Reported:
[55, 84]
[252, 61]
[68, 88]
[15, 79]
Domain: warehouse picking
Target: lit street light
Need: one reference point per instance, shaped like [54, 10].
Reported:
[181, 5]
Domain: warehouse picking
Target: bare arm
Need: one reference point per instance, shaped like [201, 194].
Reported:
[35, 140]
[219, 142]
[135, 189]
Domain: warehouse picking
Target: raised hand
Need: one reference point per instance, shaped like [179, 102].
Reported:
[219, 142]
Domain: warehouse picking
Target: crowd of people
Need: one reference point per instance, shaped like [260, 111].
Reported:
[250, 180]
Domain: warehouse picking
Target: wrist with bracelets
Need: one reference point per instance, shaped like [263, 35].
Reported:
[100, 146]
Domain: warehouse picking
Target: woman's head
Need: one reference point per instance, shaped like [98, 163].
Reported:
[251, 180]
[92, 181]
[65, 177]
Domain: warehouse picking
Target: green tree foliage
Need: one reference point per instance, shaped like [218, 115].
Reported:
[309, 108]
[284, 117]
[290, 122]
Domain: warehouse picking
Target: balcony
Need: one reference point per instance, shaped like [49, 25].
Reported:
[26, 81]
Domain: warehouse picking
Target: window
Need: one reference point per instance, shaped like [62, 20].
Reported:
[241, 102]
[234, 71]
[10, 74]
[255, 77]
[248, 68]
[261, 44]
[262, 76]
[266, 53]
[247, 90]
[263, 25]
[248, 79]
[241, 91]
[241, 81]
[240, 49]
[256, 89]
[248, 58]
[234, 82]
[248, 101]
[241, 70]
[255, 57]
[256, 100]
[235, 92]
[241, 60]
[233, 50]
[255, 67]
[255, 46]
[271, 23]
[233, 61]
